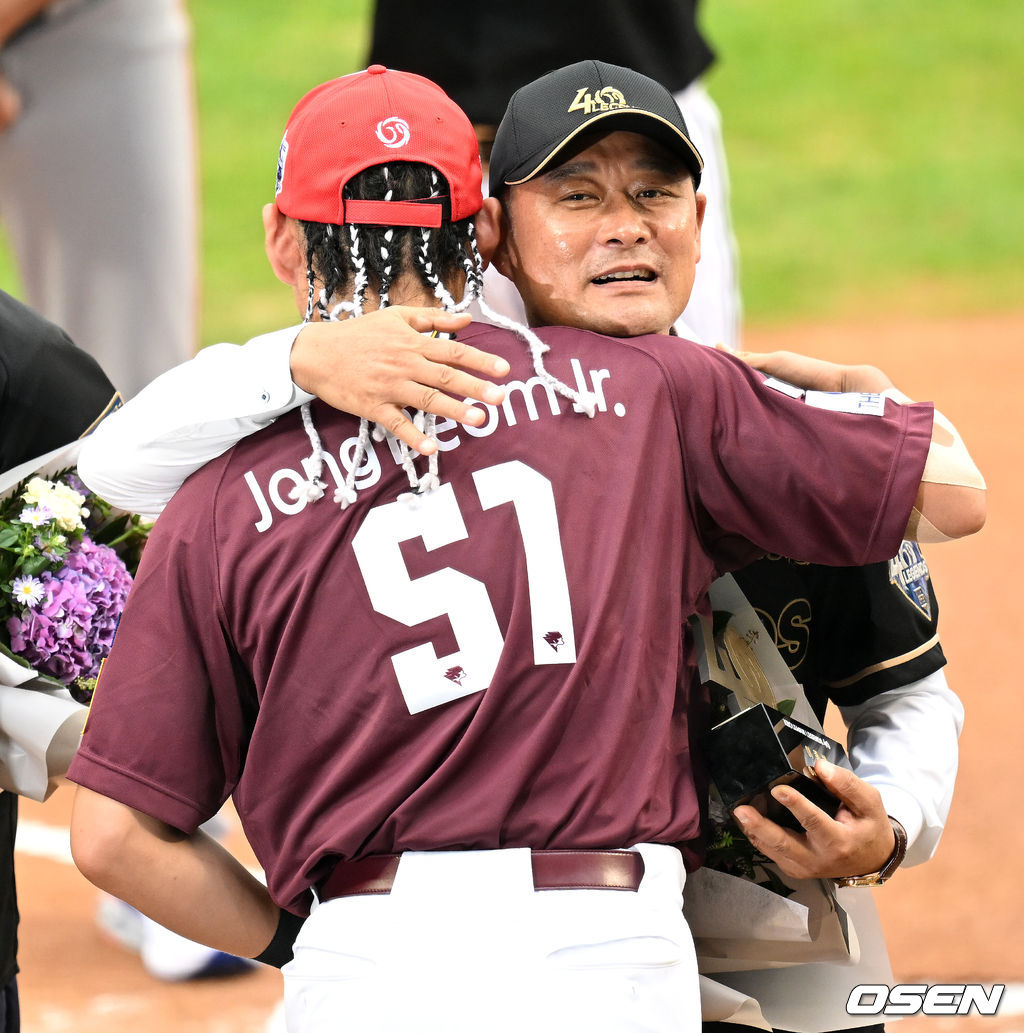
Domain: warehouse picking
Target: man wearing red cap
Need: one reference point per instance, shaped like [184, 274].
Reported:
[456, 708]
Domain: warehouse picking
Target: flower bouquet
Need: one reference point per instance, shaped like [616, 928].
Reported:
[66, 565]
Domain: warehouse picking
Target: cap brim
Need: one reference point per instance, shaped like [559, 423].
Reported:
[646, 123]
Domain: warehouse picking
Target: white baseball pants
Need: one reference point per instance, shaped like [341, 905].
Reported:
[465, 944]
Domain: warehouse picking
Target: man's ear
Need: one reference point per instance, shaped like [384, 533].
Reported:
[701, 206]
[491, 226]
[281, 242]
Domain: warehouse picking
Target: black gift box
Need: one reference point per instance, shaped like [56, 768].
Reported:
[759, 748]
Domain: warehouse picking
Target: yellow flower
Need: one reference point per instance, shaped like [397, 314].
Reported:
[63, 502]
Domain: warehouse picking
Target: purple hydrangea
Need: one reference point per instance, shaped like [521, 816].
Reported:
[70, 630]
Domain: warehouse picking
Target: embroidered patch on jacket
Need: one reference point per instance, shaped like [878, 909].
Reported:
[908, 571]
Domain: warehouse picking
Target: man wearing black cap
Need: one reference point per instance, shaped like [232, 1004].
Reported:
[602, 166]
[570, 225]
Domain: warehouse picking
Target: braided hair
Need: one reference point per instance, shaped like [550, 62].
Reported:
[355, 259]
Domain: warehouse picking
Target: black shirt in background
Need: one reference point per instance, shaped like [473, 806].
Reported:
[50, 393]
[481, 53]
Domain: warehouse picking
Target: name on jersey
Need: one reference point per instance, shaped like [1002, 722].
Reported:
[530, 400]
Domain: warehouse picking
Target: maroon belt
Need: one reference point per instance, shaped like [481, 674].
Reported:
[552, 870]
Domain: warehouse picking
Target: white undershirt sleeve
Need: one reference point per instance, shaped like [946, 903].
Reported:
[904, 742]
[141, 454]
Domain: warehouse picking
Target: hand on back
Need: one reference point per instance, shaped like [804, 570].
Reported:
[382, 363]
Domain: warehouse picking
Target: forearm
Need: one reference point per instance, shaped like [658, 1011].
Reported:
[904, 742]
[951, 501]
[189, 884]
[372, 367]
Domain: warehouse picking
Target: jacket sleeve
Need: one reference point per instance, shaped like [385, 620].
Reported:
[140, 455]
[904, 742]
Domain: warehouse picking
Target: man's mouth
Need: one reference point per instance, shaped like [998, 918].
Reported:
[626, 276]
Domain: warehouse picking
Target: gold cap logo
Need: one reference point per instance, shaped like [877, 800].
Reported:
[603, 100]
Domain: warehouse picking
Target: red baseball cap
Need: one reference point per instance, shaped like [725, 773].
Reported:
[346, 125]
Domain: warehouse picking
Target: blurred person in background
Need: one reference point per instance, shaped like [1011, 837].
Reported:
[98, 178]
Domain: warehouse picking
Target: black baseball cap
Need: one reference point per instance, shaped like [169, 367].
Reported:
[546, 115]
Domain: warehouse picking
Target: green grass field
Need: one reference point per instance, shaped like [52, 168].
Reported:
[876, 154]
[874, 145]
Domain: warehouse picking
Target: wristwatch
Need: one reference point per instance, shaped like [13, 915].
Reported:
[877, 878]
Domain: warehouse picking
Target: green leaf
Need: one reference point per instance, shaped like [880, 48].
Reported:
[34, 565]
[786, 707]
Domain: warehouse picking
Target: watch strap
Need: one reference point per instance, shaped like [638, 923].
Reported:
[885, 872]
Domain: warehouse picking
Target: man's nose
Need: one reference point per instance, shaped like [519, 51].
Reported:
[622, 221]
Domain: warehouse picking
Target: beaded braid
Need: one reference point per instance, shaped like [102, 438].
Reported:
[311, 294]
[426, 266]
[312, 465]
[473, 264]
[346, 494]
[359, 265]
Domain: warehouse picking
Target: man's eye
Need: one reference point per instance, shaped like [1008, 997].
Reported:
[577, 195]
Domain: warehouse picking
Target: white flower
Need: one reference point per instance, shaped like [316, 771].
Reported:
[35, 516]
[36, 490]
[63, 502]
[27, 590]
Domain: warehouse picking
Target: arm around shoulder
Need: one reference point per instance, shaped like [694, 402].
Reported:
[140, 455]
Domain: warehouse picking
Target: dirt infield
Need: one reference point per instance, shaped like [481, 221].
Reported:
[957, 918]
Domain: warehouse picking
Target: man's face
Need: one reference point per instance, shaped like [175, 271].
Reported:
[608, 241]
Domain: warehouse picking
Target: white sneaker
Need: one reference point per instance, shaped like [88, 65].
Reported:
[119, 922]
[165, 955]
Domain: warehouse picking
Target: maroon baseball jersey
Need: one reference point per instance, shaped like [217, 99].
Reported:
[502, 661]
